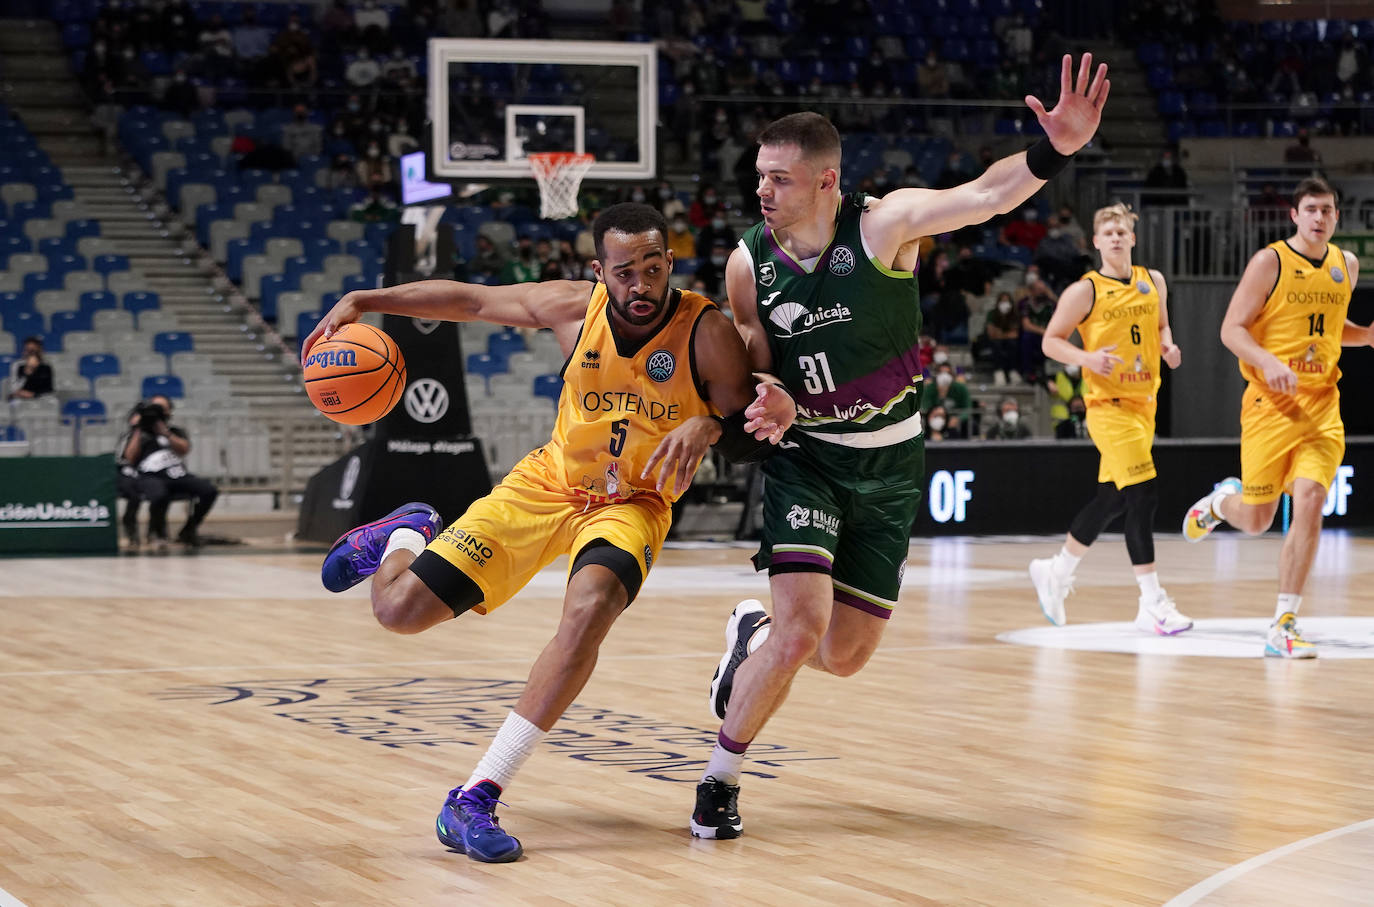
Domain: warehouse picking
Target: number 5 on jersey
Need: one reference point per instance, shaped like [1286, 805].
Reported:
[619, 431]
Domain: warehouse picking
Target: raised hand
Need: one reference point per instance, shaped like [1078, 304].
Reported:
[1074, 120]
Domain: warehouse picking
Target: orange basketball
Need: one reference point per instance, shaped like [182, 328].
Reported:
[356, 376]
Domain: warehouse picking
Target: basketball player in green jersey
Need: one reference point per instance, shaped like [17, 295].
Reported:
[824, 293]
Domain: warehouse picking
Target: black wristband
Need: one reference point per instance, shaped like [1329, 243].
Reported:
[1044, 162]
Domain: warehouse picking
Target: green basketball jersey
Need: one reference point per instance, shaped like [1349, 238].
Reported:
[844, 331]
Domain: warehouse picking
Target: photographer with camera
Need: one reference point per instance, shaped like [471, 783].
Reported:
[152, 469]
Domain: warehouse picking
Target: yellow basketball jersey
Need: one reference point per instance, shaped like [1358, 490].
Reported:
[1303, 317]
[621, 398]
[1124, 313]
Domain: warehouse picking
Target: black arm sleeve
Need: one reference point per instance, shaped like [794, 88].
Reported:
[738, 445]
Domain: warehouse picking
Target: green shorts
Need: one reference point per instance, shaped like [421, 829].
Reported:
[843, 511]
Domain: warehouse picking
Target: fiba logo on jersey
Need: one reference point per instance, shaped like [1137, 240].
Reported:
[660, 366]
[1142, 288]
[1337, 274]
[842, 261]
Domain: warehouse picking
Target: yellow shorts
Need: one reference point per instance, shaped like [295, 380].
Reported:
[1283, 438]
[1124, 433]
[529, 519]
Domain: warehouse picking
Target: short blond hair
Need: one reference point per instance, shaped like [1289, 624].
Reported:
[1120, 211]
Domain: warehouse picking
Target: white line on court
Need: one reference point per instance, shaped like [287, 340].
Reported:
[1209, 885]
[9, 900]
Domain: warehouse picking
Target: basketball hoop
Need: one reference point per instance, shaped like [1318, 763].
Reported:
[559, 174]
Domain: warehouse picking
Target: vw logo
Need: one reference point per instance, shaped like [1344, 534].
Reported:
[350, 476]
[426, 400]
[425, 325]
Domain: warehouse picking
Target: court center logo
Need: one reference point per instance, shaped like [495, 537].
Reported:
[426, 400]
[842, 261]
[768, 272]
[660, 366]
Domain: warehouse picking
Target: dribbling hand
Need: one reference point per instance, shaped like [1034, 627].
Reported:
[1074, 120]
[345, 311]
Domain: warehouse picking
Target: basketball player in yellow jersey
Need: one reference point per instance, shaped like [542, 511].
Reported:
[649, 370]
[1287, 323]
[1120, 311]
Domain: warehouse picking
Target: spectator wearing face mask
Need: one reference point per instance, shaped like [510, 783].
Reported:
[1164, 176]
[1001, 339]
[300, 136]
[717, 232]
[1074, 425]
[681, 242]
[943, 388]
[940, 425]
[1008, 426]
[363, 72]
[1024, 230]
[181, 97]
[711, 269]
[374, 169]
[708, 203]
[1036, 310]
[668, 202]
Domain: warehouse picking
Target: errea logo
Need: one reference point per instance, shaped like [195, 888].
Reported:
[591, 359]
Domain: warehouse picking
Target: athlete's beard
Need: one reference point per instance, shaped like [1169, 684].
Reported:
[623, 308]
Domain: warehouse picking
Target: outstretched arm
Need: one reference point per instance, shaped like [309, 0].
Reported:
[908, 214]
[557, 304]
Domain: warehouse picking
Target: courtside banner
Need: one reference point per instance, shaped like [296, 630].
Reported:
[1036, 487]
[58, 505]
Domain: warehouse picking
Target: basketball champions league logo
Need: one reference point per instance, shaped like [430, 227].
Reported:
[428, 713]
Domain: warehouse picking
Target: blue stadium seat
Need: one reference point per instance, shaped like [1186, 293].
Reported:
[97, 365]
[105, 265]
[550, 386]
[165, 385]
[485, 364]
[169, 342]
[61, 265]
[140, 301]
[83, 411]
[62, 322]
[42, 280]
[11, 433]
[56, 246]
[273, 285]
[97, 300]
[15, 302]
[305, 323]
[502, 343]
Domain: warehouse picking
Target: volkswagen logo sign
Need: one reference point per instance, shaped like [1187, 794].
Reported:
[425, 325]
[426, 400]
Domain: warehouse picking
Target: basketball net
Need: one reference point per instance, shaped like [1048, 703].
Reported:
[559, 174]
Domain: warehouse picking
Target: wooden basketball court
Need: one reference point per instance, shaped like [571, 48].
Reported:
[218, 729]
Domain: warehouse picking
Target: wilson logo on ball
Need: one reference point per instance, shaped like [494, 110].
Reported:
[331, 358]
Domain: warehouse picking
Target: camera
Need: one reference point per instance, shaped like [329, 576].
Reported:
[149, 415]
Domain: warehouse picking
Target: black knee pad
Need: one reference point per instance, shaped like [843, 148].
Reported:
[1141, 501]
[1105, 506]
[620, 562]
[454, 587]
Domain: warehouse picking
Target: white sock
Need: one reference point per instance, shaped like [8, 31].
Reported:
[1218, 496]
[514, 742]
[1065, 564]
[724, 766]
[1287, 602]
[1149, 585]
[407, 539]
